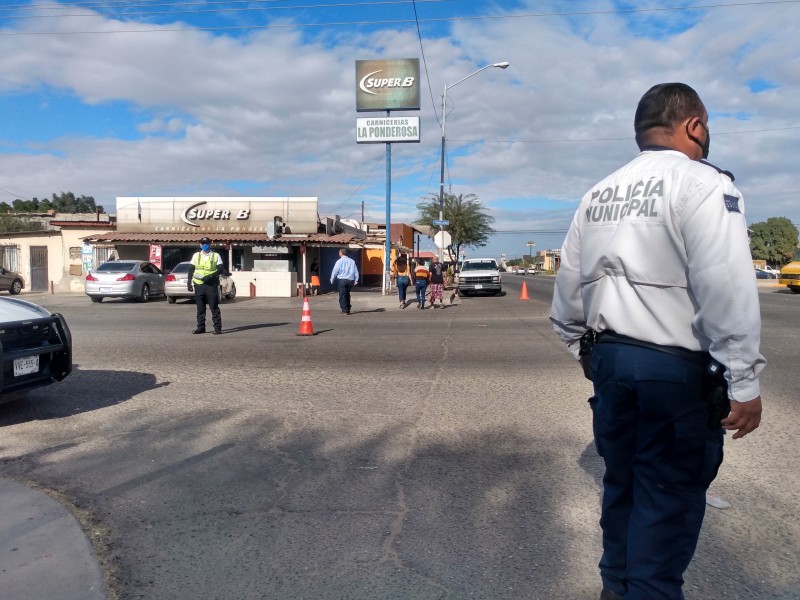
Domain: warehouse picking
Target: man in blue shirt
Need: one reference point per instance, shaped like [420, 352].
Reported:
[344, 276]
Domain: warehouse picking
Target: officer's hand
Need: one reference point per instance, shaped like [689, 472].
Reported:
[743, 418]
[206, 278]
[191, 287]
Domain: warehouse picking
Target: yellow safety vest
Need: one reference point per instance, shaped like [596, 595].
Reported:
[204, 265]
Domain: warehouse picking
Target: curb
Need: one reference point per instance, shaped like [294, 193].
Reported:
[44, 552]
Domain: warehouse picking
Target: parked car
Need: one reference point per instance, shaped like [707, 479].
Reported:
[35, 348]
[762, 274]
[176, 284]
[13, 282]
[125, 279]
[478, 275]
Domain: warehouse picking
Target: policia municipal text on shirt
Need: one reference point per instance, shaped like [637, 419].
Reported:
[204, 275]
[656, 269]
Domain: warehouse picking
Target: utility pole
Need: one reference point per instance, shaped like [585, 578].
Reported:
[530, 245]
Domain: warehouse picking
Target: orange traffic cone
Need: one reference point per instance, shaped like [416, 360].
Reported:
[306, 328]
[524, 294]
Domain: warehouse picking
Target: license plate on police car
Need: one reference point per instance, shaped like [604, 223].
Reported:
[26, 366]
[478, 286]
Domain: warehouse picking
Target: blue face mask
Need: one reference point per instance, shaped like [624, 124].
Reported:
[205, 247]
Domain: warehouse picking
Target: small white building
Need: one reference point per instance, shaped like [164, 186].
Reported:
[55, 258]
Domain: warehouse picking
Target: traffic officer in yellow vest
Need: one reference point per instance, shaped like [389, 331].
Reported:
[204, 280]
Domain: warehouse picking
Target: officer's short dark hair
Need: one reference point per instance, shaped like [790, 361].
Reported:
[205, 240]
[665, 105]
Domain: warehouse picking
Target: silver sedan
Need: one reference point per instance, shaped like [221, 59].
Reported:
[133, 279]
[177, 284]
[11, 281]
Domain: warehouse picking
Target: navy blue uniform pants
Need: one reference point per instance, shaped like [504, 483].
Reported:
[344, 286]
[661, 449]
[207, 295]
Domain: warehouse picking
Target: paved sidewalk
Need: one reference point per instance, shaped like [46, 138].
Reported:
[44, 553]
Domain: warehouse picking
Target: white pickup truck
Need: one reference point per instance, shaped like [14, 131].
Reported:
[478, 275]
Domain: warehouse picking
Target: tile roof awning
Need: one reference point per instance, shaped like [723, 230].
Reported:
[81, 224]
[117, 237]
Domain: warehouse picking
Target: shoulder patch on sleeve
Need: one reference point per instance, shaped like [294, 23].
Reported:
[732, 203]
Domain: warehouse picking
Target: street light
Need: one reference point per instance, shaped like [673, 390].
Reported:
[499, 65]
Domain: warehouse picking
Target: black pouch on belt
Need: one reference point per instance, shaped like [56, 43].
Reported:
[716, 394]
[587, 342]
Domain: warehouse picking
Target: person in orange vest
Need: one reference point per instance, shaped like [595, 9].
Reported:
[421, 277]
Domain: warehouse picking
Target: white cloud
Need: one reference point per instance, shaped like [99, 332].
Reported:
[276, 108]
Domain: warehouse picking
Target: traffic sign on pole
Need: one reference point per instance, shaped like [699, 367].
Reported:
[442, 239]
[441, 222]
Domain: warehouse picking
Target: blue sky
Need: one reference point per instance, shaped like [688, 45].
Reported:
[186, 97]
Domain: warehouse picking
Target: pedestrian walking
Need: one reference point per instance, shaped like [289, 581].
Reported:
[421, 277]
[643, 298]
[401, 273]
[204, 271]
[436, 284]
[344, 276]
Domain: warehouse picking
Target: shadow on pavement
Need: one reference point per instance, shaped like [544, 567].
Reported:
[256, 326]
[221, 502]
[83, 391]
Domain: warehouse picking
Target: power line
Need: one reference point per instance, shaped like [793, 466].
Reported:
[425, 63]
[531, 231]
[620, 139]
[360, 185]
[219, 10]
[407, 21]
[127, 4]
[16, 196]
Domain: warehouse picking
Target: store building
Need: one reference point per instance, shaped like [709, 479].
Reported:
[548, 260]
[267, 243]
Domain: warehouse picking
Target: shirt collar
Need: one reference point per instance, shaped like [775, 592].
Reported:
[718, 169]
[656, 148]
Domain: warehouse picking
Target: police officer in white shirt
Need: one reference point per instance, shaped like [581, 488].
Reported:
[656, 284]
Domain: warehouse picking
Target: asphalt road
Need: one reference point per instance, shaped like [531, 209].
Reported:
[397, 454]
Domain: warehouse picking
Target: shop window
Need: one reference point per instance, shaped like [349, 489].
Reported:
[103, 254]
[9, 257]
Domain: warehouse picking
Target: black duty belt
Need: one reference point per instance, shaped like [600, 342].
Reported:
[612, 337]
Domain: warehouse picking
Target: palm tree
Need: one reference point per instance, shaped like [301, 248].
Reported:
[470, 224]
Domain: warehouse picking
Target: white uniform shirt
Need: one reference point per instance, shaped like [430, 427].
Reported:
[658, 251]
